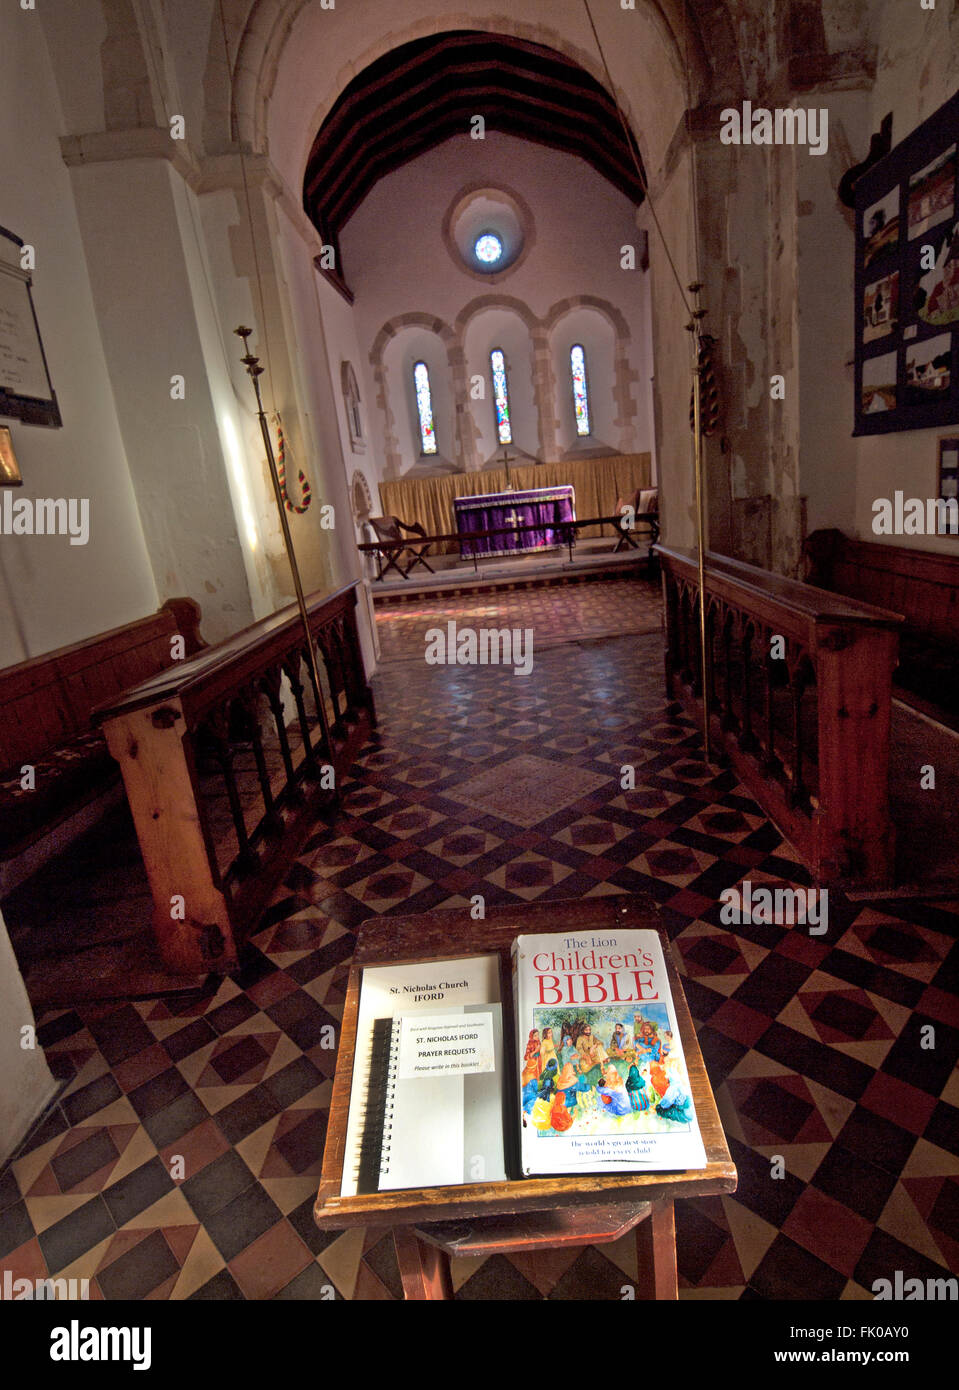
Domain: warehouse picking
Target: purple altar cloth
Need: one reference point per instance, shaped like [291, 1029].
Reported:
[545, 508]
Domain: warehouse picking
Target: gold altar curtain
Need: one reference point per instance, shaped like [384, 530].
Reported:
[598, 483]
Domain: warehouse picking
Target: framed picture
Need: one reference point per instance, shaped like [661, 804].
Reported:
[907, 282]
[26, 392]
[948, 488]
[9, 468]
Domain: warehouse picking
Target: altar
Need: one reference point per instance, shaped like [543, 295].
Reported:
[545, 509]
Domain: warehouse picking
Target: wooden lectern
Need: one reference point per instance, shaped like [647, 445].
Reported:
[432, 1224]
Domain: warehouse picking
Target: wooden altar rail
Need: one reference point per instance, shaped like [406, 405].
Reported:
[231, 728]
[808, 734]
[381, 548]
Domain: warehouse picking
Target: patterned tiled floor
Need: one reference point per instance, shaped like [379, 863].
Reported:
[182, 1158]
[557, 614]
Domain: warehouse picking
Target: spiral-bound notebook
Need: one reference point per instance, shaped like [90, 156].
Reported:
[427, 1096]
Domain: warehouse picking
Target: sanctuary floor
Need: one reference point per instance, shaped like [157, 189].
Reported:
[479, 781]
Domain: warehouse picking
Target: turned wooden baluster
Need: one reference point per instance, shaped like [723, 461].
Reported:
[747, 739]
[271, 683]
[361, 697]
[697, 647]
[768, 761]
[728, 618]
[795, 790]
[671, 645]
[324, 744]
[249, 699]
[291, 666]
[330, 662]
[682, 666]
[217, 726]
[693, 671]
[346, 667]
[710, 655]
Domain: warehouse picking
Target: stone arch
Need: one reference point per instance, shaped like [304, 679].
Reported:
[587, 301]
[393, 458]
[539, 365]
[495, 301]
[260, 41]
[361, 498]
[624, 374]
[414, 319]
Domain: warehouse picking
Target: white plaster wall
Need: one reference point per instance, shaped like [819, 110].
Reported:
[53, 592]
[236, 432]
[26, 1082]
[194, 26]
[329, 558]
[343, 346]
[74, 36]
[828, 453]
[139, 252]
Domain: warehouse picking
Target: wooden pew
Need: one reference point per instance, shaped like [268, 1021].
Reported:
[808, 734]
[227, 760]
[47, 724]
[923, 585]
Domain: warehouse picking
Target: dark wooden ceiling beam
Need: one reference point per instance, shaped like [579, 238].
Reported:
[546, 124]
[425, 92]
[575, 112]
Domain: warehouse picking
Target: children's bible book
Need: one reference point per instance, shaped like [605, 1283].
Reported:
[603, 1081]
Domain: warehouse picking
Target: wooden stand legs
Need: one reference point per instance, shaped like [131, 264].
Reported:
[656, 1254]
[425, 1268]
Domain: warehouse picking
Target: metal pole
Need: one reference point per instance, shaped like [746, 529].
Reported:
[693, 328]
[255, 370]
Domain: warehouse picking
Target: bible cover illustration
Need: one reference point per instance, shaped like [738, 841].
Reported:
[603, 1079]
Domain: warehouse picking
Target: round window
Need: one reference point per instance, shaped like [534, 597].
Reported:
[488, 248]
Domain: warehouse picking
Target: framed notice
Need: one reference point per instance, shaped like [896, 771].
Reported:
[26, 392]
[907, 282]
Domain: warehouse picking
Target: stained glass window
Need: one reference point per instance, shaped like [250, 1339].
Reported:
[501, 396]
[488, 248]
[577, 362]
[424, 407]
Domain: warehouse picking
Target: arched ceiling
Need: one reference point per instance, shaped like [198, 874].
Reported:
[420, 94]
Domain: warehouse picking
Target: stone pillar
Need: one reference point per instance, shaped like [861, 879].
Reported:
[468, 454]
[544, 392]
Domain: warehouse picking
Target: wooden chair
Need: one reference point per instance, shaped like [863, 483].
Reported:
[389, 529]
[645, 506]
